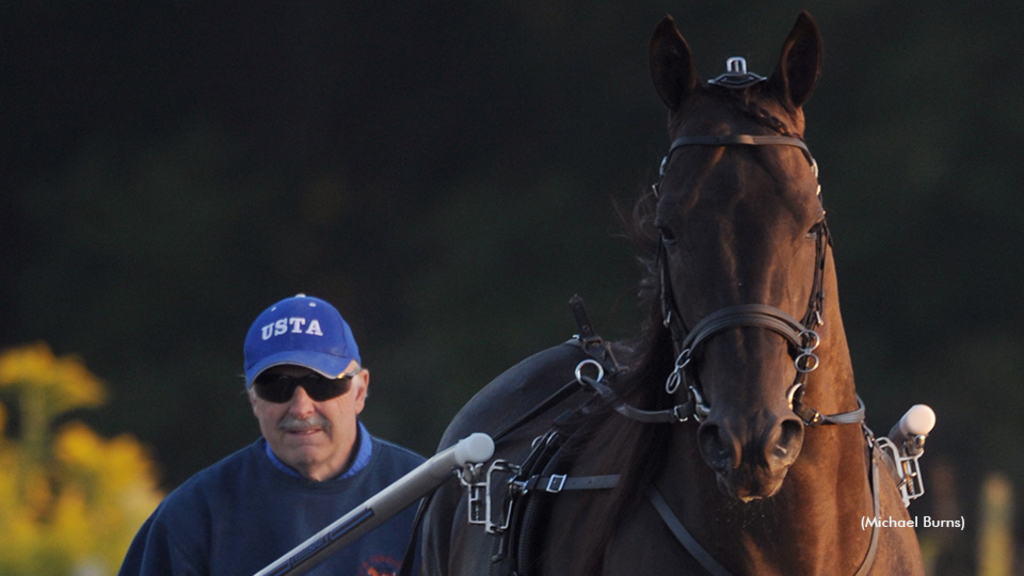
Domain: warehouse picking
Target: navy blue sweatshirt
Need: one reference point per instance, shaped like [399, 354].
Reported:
[248, 510]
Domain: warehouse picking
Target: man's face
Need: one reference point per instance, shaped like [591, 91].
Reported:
[314, 438]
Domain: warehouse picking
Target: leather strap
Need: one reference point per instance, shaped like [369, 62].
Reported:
[409, 560]
[813, 418]
[579, 313]
[678, 413]
[684, 537]
[589, 342]
[555, 483]
[743, 139]
[865, 566]
[567, 390]
[755, 315]
[716, 569]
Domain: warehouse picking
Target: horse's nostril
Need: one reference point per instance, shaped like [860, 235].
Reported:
[787, 447]
[717, 452]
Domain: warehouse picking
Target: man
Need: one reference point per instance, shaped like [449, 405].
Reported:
[314, 462]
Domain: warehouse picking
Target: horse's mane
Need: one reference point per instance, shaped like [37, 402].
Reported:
[624, 446]
[632, 449]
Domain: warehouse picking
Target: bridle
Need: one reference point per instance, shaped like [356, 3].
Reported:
[801, 335]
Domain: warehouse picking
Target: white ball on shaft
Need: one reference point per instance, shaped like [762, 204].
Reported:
[918, 421]
[477, 447]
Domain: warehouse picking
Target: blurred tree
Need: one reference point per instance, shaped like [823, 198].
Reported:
[70, 501]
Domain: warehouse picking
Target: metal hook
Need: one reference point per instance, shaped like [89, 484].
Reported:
[579, 370]
[700, 409]
[736, 65]
[791, 393]
[676, 377]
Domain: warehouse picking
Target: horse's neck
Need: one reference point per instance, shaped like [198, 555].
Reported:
[812, 526]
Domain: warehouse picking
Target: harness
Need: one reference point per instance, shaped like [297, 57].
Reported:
[523, 504]
[503, 497]
[534, 476]
[511, 516]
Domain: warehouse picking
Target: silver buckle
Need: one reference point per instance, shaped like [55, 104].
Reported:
[558, 479]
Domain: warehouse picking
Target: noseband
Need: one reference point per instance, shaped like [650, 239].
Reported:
[801, 335]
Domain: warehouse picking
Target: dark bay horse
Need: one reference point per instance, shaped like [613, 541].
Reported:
[734, 443]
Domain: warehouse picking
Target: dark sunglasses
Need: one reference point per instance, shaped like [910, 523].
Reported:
[279, 388]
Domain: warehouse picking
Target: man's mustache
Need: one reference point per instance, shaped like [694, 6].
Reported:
[293, 424]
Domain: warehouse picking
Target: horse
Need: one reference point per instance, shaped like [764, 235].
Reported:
[728, 438]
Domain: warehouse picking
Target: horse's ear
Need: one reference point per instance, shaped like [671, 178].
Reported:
[800, 63]
[672, 69]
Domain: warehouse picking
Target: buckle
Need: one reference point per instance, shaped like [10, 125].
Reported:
[555, 483]
[682, 412]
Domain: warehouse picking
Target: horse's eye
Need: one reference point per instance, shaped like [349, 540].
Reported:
[815, 230]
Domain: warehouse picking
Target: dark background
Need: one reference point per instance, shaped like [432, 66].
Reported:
[447, 176]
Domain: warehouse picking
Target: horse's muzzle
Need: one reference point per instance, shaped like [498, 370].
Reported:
[751, 461]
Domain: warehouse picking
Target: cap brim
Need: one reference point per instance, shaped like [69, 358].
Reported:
[326, 365]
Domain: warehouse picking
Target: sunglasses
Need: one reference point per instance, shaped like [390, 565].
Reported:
[279, 388]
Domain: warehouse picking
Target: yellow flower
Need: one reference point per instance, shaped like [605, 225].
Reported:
[65, 381]
[69, 499]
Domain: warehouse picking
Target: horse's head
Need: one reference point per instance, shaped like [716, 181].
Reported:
[742, 241]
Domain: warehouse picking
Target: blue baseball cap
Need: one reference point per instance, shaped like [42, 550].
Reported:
[301, 331]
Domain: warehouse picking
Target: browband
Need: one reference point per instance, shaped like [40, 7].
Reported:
[743, 139]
